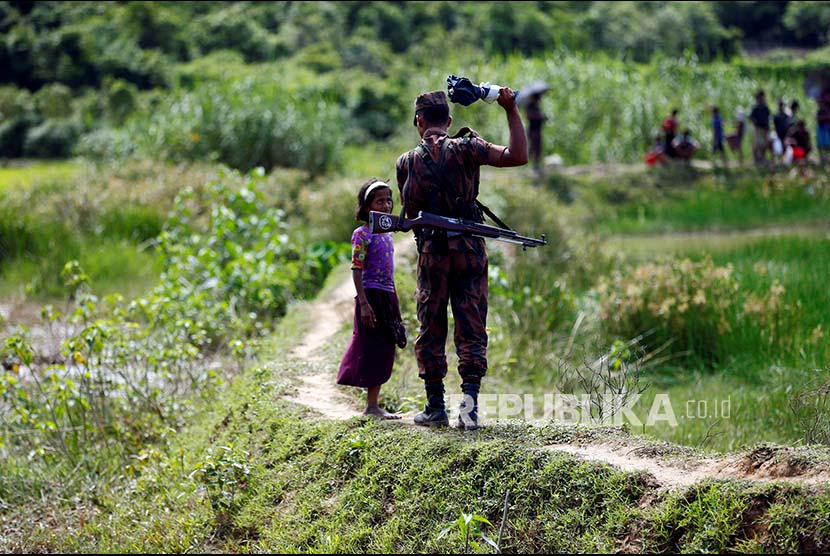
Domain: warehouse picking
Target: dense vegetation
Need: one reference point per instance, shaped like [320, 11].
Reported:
[215, 153]
[196, 80]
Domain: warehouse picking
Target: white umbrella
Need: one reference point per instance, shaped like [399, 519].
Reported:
[535, 88]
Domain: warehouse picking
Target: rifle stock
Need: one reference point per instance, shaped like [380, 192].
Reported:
[380, 222]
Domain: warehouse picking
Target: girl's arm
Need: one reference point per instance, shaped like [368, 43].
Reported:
[367, 315]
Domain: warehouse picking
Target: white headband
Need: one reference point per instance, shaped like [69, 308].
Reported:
[375, 186]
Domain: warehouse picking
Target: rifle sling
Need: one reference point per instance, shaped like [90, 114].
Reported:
[434, 170]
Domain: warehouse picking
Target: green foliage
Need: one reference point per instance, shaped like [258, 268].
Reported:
[118, 382]
[469, 525]
[232, 27]
[51, 139]
[54, 101]
[808, 21]
[225, 478]
[642, 29]
[244, 126]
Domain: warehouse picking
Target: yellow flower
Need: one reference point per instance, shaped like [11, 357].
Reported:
[699, 298]
[195, 136]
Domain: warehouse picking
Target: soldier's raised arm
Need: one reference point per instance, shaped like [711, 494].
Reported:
[515, 154]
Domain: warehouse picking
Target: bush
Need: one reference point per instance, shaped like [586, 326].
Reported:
[121, 100]
[51, 139]
[54, 101]
[246, 125]
[232, 28]
[17, 115]
[698, 308]
[105, 144]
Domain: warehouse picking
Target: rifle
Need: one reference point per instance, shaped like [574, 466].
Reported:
[381, 222]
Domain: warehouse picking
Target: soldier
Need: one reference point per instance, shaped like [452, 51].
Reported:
[441, 176]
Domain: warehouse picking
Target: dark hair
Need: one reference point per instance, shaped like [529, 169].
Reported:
[363, 202]
[437, 114]
[794, 105]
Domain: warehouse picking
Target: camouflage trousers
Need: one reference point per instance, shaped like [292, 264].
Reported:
[460, 279]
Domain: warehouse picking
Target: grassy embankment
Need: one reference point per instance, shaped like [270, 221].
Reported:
[254, 473]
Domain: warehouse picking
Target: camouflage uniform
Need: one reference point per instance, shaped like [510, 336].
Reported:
[452, 268]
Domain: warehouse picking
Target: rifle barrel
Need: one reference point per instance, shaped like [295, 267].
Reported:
[380, 222]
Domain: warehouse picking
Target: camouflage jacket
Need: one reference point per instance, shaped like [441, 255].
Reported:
[453, 193]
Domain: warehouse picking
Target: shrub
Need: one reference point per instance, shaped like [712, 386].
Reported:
[51, 139]
[54, 101]
[247, 125]
[697, 307]
[105, 144]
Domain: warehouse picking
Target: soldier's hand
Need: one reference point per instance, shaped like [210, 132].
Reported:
[507, 98]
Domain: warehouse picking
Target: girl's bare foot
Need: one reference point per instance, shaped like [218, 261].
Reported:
[376, 411]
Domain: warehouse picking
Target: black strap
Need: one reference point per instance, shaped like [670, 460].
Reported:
[433, 169]
[486, 210]
[405, 190]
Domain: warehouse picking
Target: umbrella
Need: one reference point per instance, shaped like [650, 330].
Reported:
[535, 88]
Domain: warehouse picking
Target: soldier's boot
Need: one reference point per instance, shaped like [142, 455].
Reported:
[435, 411]
[468, 418]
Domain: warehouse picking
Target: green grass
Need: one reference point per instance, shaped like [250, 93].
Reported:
[645, 204]
[759, 386]
[25, 175]
[255, 474]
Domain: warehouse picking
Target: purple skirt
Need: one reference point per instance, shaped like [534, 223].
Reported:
[370, 356]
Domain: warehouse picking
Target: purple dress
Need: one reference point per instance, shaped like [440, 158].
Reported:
[370, 355]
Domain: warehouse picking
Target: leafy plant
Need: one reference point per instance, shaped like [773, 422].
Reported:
[469, 527]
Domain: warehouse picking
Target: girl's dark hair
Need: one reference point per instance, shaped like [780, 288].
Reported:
[363, 202]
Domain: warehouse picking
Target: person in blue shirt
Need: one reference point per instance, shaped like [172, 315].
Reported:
[717, 129]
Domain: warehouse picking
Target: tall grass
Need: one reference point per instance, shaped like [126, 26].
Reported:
[603, 109]
[246, 124]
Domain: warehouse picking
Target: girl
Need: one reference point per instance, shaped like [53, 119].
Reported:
[368, 360]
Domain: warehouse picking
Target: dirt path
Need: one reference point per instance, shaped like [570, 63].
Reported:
[318, 389]
[319, 392]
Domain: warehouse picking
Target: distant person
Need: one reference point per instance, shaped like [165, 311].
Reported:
[782, 121]
[685, 147]
[760, 120]
[370, 355]
[717, 134]
[669, 134]
[657, 153]
[798, 143]
[823, 126]
[536, 119]
[736, 140]
[794, 106]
